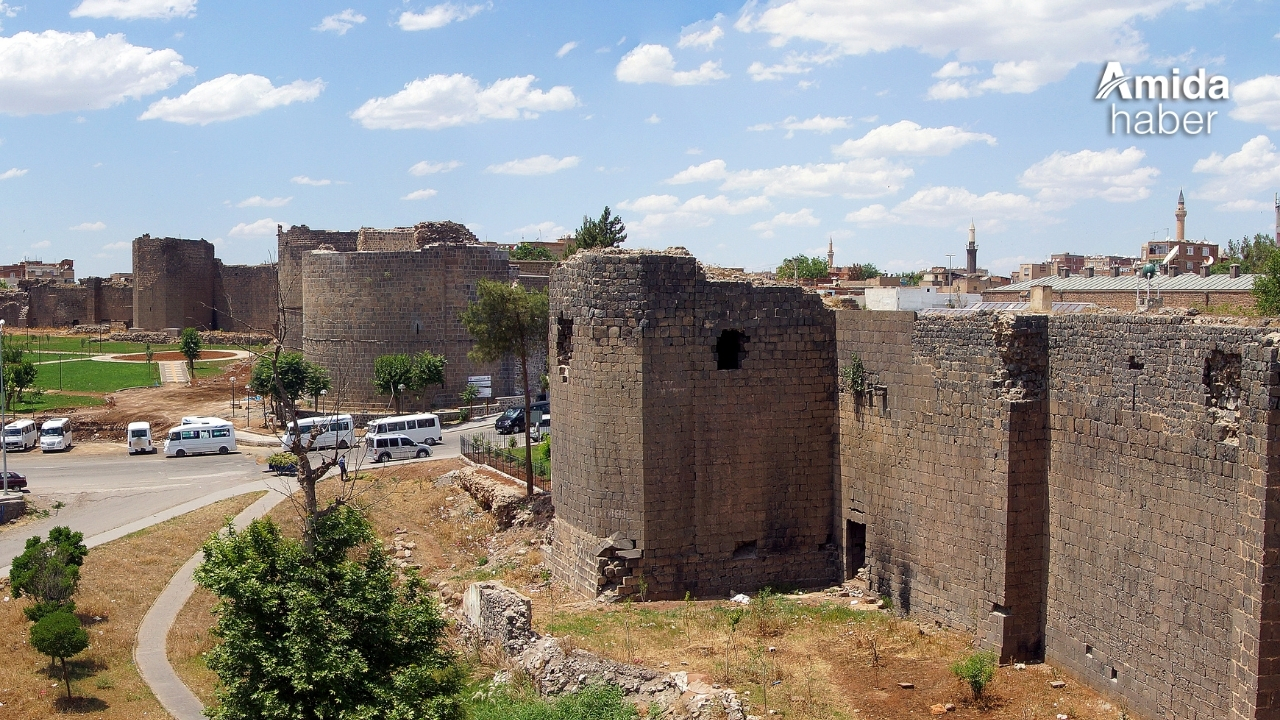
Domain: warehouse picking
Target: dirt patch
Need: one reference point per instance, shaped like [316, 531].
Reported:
[118, 583]
[174, 355]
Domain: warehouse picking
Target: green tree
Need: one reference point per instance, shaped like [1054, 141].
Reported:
[428, 370]
[1266, 287]
[59, 636]
[151, 354]
[190, 346]
[1250, 255]
[317, 381]
[530, 251]
[324, 632]
[389, 373]
[607, 231]
[976, 670]
[912, 279]
[469, 395]
[19, 373]
[285, 378]
[506, 320]
[49, 571]
[866, 271]
[808, 268]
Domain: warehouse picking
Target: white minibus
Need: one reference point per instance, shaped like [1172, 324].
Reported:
[55, 435]
[140, 438]
[421, 428]
[331, 431]
[207, 437]
[21, 435]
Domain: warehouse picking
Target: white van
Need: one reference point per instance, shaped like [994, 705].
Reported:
[55, 435]
[396, 446]
[421, 428]
[331, 431]
[201, 420]
[140, 438]
[21, 435]
[194, 438]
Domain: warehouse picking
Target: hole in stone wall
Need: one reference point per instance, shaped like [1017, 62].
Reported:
[1088, 651]
[1222, 380]
[417, 327]
[1134, 364]
[855, 547]
[1115, 675]
[564, 340]
[731, 350]
[745, 550]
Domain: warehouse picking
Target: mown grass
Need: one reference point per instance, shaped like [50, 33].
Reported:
[94, 376]
[54, 401]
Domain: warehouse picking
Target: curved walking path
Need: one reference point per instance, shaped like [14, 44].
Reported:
[150, 654]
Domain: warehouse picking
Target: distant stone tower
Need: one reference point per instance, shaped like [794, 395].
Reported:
[831, 250]
[972, 251]
[1181, 215]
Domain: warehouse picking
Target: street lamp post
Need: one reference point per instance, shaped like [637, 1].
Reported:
[246, 407]
[321, 408]
[4, 451]
[232, 387]
[949, 269]
[401, 386]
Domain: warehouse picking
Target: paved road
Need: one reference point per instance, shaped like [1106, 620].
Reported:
[104, 488]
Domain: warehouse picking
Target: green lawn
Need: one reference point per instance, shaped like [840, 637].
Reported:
[55, 402]
[93, 376]
[81, 343]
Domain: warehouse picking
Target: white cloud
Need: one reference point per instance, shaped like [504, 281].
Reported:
[1258, 100]
[265, 226]
[230, 97]
[566, 48]
[693, 151]
[442, 101]
[341, 22]
[1029, 44]
[705, 40]
[54, 72]
[709, 170]
[792, 64]
[8, 10]
[538, 165]
[1254, 168]
[907, 138]
[118, 246]
[135, 9]
[653, 119]
[12, 173]
[547, 230]
[1113, 175]
[942, 206]
[954, 69]
[802, 218]
[259, 201]
[437, 16]
[304, 180]
[41, 245]
[817, 123]
[420, 194]
[427, 167]
[1244, 206]
[654, 64]
[667, 212]
[89, 226]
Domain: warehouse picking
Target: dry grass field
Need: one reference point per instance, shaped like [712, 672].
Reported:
[118, 583]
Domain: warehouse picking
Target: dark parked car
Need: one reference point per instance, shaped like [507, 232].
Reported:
[17, 481]
[512, 421]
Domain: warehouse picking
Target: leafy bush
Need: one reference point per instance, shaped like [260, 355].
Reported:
[49, 571]
[976, 670]
[59, 636]
[594, 702]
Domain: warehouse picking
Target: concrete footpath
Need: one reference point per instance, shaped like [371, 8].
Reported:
[153, 634]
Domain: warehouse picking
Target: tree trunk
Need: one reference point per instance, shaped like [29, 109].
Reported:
[528, 452]
[66, 678]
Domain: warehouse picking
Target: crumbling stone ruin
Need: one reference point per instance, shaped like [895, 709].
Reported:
[1098, 491]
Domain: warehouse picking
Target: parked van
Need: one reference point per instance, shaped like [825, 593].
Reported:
[207, 437]
[21, 435]
[55, 435]
[140, 438]
[331, 431]
[395, 446]
[201, 420]
[421, 428]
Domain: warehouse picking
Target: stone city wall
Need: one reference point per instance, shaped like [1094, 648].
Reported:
[1223, 299]
[699, 426]
[246, 298]
[292, 246]
[360, 305]
[52, 304]
[173, 283]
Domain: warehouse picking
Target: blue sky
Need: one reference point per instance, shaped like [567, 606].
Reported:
[745, 133]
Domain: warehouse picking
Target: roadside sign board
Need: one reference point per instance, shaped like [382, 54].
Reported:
[483, 383]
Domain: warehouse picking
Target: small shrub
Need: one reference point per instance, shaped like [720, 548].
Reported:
[594, 702]
[976, 671]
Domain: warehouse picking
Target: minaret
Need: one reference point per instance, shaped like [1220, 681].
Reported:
[1181, 215]
[972, 250]
[831, 250]
[1276, 238]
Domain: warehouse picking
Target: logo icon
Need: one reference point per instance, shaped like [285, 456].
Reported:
[1113, 77]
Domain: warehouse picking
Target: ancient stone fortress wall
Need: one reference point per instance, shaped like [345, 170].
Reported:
[172, 283]
[292, 246]
[246, 298]
[360, 305]
[698, 427]
[1096, 490]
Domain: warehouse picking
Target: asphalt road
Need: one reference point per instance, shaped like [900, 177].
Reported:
[104, 488]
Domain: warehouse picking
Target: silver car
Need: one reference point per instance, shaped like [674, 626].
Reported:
[393, 446]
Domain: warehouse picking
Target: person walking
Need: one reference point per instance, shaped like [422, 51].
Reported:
[342, 467]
